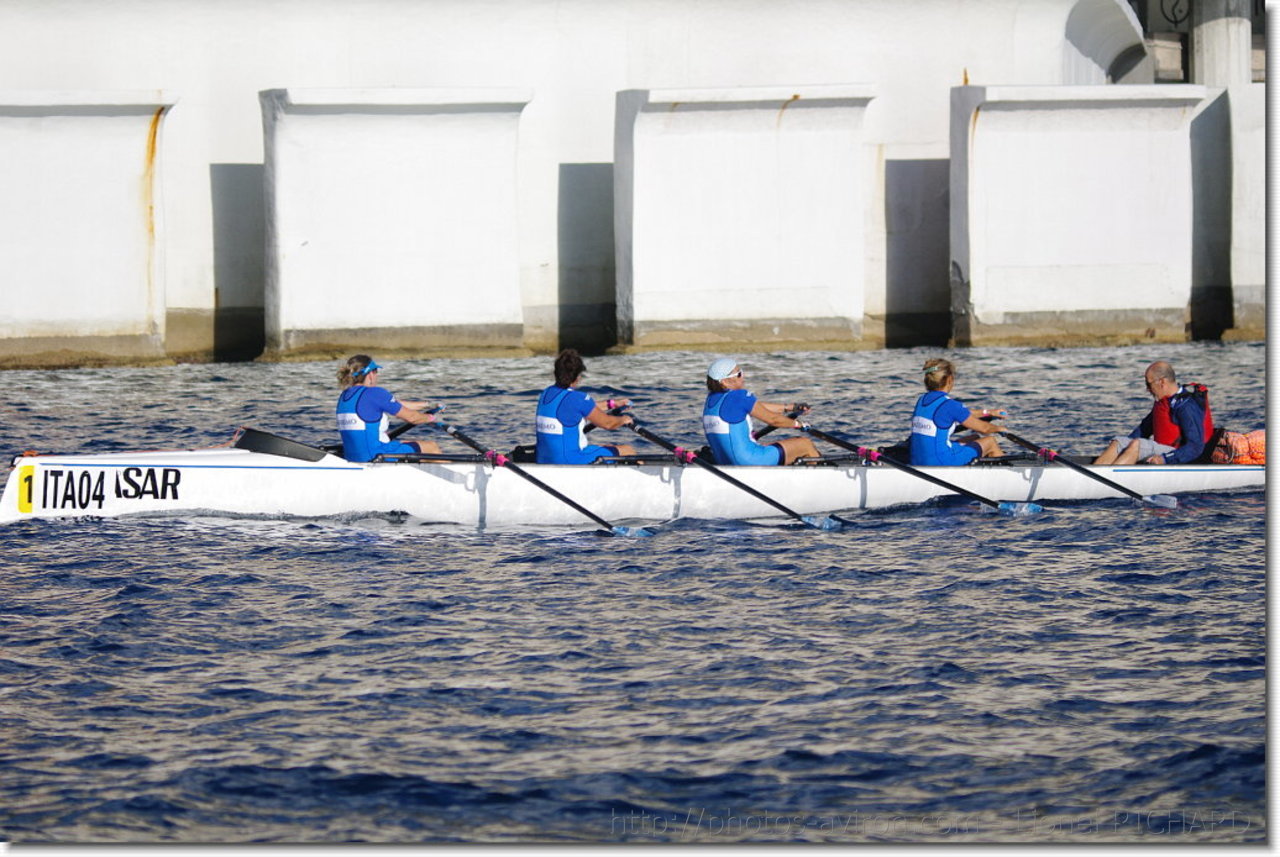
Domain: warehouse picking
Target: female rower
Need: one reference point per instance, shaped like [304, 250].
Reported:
[563, 414]
[936, 416]
[363, 408]
[724, 419]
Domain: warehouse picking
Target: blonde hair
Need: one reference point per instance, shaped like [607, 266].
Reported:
[353, 370]
[937, 372]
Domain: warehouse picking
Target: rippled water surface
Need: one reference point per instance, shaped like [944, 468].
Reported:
[1094, 673]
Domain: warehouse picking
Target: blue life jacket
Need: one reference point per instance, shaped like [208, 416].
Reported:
[732, 443]
[361, 441]
[930, 444]
[559, 443]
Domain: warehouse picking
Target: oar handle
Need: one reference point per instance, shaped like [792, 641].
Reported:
[799, 409]
[873, 455]
[1050, 455]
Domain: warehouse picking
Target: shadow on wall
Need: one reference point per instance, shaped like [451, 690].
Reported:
[239, 252]
[1212, 307]
[587, 317]
[918, 234]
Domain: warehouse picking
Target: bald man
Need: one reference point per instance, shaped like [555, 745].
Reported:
[1174, 432]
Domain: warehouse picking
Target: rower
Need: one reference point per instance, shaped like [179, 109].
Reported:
[935, 419]
[724, 419]
[563, 414]
[363, 409]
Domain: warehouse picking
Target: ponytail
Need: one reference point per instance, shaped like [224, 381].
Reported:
[937, 372]
[354, 370]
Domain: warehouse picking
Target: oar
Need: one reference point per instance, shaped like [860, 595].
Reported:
[499, 460]
[791, 415]
[1011, 507]
[830, 522]
[1165, 501]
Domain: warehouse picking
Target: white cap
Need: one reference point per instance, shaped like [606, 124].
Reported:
[721, 369]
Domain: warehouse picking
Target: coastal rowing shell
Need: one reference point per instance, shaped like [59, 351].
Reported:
[242, 482]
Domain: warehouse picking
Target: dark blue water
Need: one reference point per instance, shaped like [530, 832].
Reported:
[1091, 674]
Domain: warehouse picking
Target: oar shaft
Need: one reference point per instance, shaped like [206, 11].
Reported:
[500, 460]
[878, 456]
[687, 456]
[1079, 468]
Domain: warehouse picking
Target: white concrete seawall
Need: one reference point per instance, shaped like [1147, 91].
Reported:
[218, 292]
[1249, 209]
[739, 214]
[391, 219]
[1071, 211]
[81, 226]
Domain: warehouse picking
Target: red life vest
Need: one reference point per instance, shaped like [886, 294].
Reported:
[1165, 430]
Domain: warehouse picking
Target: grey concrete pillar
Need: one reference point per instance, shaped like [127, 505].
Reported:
[1221, 42]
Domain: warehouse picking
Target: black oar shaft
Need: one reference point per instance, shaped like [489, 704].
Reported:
[499, 460]
[687, 456]
[879, 456]
[1079, 468]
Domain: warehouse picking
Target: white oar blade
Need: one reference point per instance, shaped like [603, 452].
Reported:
[1164, 501]
[827, 523]
[634, 532]
[1017, 509]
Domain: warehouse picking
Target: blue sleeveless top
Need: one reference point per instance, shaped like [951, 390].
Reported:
[362, 421]
[561, 418]
[726, 423]
[935, 419]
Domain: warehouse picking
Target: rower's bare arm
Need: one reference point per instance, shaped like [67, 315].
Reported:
[773, 414]
[412, 415]
[982, 426]
[605, 420]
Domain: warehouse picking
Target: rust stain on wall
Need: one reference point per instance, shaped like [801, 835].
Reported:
[149, 202]
[149, 172]
[784, 106]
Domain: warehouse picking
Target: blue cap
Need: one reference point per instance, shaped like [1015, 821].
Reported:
[360, 373]
[721, 369]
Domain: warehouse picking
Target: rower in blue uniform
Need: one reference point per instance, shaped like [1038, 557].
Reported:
[563, 414]
[363, 409]
[725, 421]
[936, 417]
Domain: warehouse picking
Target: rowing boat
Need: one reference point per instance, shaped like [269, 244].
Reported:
[263, 475]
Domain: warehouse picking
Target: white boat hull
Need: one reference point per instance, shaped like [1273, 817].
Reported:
[240, 482]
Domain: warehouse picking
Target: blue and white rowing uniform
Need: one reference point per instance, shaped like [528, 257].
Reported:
[561, 427]
[362, 422]
[727, 425]
[935, 419]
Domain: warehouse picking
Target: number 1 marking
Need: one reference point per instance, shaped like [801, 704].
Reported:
[26, 488]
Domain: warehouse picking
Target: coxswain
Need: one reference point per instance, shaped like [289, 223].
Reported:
[1176, 430]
